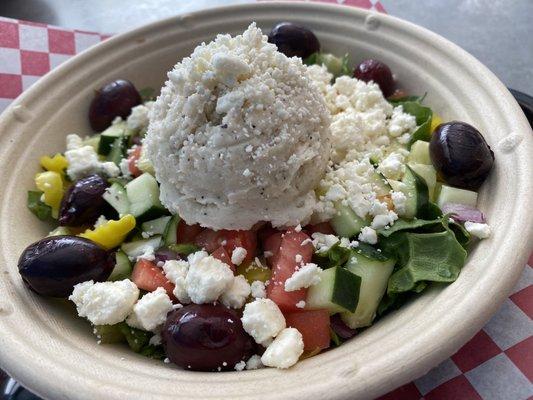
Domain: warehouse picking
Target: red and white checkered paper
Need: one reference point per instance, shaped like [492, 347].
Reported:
[497, 364]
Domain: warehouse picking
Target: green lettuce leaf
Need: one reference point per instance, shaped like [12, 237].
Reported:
[36, 206]
[335, 65]
[334, 257]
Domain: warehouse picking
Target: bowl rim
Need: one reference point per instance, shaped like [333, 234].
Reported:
[40, 380]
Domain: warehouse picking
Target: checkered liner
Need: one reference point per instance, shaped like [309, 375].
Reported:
[496, 364]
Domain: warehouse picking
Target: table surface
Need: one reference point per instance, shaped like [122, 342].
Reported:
[498, 32]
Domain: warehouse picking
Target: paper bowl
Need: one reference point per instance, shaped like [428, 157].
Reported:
[50, 351]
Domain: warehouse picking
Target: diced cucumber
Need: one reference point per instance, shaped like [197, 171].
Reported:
[118, 151]
[143, 194]
[93, 141]
[397, 186]
[116, 196]
[374, 276]
[450, 194]
[144, 164]
[346, 222]
[428, 174]
[337, 291]
[156, 226]
[110, 135]
[420, 153]
[416, 192]
[380, 184]
[107, 334]
[59, 231]
[136, 338]
[139, 247]
[122, 268]
[170, 236]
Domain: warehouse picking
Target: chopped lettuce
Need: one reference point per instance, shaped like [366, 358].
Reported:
[36, 206]
[147, 94]
[335, 65]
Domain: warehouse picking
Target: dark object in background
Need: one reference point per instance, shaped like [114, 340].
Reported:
[53, 265]
[115, 99]
[460, 155]
[294, 40]
[83, 202]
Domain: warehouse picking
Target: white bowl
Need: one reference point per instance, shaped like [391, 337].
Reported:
[54, 354]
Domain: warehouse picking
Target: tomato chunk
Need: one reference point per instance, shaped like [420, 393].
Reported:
[314, 327]
[271, 246]
[187, 233]
[223, 256]
[132, 161]
[283, 266]
[147, 276]
[323, 227]
[211, 240]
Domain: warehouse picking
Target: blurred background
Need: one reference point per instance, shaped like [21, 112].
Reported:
[498, 32]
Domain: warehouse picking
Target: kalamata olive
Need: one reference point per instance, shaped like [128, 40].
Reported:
[83, 202]
[294, 40]
[205, 337]
[112, 100]
[460, 155]
[378, 72]
[53, 265]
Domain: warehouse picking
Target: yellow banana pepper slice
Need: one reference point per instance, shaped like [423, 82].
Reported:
[51, 184]
[57, 163]
[112, 233]
[435, 121]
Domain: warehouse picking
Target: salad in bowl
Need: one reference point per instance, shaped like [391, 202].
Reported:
[271, 202]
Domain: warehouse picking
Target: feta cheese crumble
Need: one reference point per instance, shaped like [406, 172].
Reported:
[368, 235]
[176, 272]
[285, 350]
[481, 231]
[262, 319]
[254, 362]
[258, 290]
[207, 279]
[150, 311]
[238, 255]
[306, 276]
[323, 242]
[105, 303]
[235, 296]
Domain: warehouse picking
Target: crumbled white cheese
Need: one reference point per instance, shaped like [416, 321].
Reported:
[400, 202]
[207, 279]
[155, 340]
[254, 362]
[176, 272]
[298, 258]
[82, 161]
[238, 255]
[481, 231]
[380, 221]
[138, 119]
[323, 242]
[125, 168]
[401, 122]
[235, 296]
[240, 366]
[150, 311]
[195, 257]
[300, 304]
[105, 303]
[258, 290]
[110, 169]
[306, 276]
[102, 220]
[262, 319]
[285, 350]
[368, 235]
[74, 141]
[392, 166]
[148, 254]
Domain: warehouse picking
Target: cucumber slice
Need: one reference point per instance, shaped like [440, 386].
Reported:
[59, 231]
[450, 194]
[416, 192]
[420, 153]
[139, 247]
[346, 222]
[337, 291]
[143, 194]
[116, 196]
[170, 236]
[428, 173]
[380, 184]
[93, 141]
[122, 268]
[107, 334]
[118, 151]
[374, 276]
[136, 338]
[111, 134]
[156, 226]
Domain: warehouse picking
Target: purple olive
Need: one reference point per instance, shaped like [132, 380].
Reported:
[83, 202]
[115, 99]
[294, 40]
[378, 72]
[460, 155]
[53, 265]
[205, 337]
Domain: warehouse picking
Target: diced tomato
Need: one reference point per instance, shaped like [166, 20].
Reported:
[223, 256]
[314, 327]
[132, 161]
[147, 276]
[271, 246]
[323, 227]
[212, 240]
[187, 233]
[265, 232]
[284, 264]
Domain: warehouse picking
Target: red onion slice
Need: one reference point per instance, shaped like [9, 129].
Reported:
[340, 328]
[463, 213]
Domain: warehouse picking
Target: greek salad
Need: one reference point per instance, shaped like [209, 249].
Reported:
[394, 210]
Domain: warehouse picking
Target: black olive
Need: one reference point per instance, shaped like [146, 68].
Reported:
[53, 265]
[378, 72]
[294, 40]
[461, 155]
